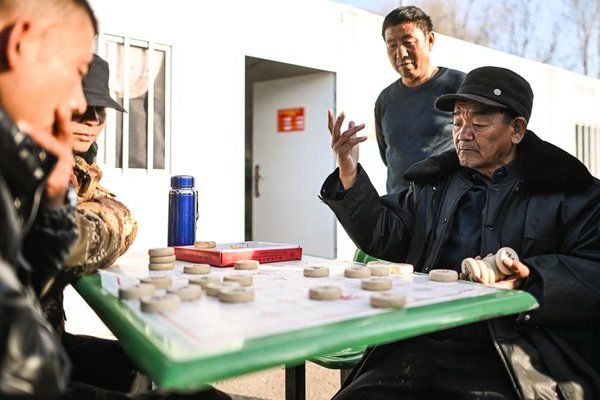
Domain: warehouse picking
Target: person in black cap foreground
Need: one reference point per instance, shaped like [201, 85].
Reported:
[501, 186]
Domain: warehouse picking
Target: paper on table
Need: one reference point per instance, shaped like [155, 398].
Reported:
[206, 326]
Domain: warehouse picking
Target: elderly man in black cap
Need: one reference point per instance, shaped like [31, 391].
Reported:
[500, 186]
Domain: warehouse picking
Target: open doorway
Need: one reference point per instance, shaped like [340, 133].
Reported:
[288, 155]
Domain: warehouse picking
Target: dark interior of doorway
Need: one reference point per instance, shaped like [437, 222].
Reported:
[257, 70]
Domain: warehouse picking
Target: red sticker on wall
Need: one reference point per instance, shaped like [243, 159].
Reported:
[290, 119]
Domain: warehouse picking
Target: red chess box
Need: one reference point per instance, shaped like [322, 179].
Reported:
[225, 254]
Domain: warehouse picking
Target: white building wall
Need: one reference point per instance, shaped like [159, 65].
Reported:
[210, 41]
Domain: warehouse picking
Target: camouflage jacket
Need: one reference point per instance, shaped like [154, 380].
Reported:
[106, 225]
[106, 230]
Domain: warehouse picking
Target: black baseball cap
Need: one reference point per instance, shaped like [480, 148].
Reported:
[95, 85]
[492, 86]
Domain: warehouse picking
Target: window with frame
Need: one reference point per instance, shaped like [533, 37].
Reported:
[140, 80]
[587, 147]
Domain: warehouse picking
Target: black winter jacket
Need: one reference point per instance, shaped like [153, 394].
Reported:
[550, 216]
[32, 361]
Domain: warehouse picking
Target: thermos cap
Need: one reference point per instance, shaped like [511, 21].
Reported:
[181, 181]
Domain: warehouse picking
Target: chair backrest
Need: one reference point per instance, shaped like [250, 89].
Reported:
[361, 256]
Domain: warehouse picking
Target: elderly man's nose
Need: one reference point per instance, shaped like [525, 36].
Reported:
[465, 132]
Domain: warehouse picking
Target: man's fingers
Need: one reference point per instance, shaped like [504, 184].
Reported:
[330, 120]
[43, 138]
[59, 143]
[506, 284]
[63, 126]
[353, 129]
[349, 135]
[520, 270]
[337, 127]
[348, 144]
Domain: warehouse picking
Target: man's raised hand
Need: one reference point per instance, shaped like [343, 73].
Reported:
[345, 146]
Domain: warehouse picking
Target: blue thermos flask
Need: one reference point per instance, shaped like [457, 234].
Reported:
[183, 211]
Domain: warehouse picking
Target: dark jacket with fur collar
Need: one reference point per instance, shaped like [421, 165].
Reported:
[550, 216]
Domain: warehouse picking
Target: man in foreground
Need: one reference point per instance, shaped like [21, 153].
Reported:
[500, 186]
[45, 51]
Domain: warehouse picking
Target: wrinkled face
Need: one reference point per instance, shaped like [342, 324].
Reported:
[55, 58]
[483, 139]
[408, 49]
[86, 127]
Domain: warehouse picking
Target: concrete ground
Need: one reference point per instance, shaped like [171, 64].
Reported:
[321, 383]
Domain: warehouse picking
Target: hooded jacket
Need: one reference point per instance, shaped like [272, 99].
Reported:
[550, 216]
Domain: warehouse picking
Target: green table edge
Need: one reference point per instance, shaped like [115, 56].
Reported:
[289, 348]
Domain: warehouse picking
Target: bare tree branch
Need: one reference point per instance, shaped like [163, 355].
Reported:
[517, 26]
[585, 15]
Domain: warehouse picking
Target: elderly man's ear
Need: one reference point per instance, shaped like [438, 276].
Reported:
[519, 126]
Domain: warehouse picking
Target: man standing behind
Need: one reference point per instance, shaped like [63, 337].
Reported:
[408, 127]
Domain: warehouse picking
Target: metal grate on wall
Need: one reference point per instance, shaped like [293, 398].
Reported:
[587, 147]
[140, 80]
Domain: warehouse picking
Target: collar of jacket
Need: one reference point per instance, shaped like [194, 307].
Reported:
[90, 155]
[542, 166]
[25, 167]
